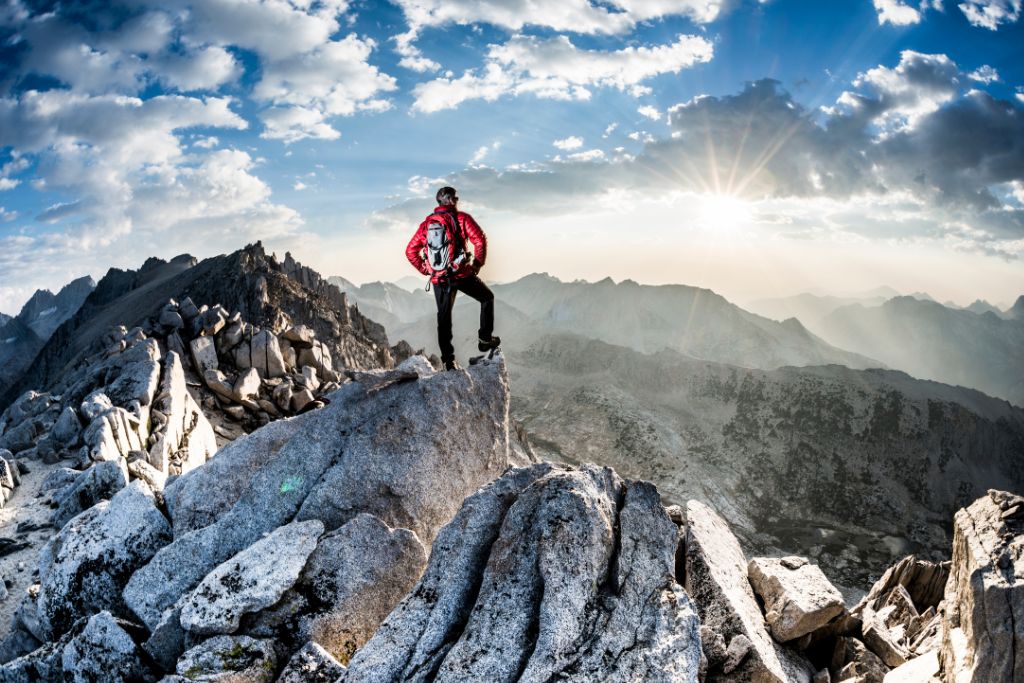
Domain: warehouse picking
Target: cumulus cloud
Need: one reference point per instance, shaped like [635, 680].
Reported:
[571, 142]
[991, 14]
[650, 112]
[910, 152]
[896, 12]
[555, 68]
[984, 74]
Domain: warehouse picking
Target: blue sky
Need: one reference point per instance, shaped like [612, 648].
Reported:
[631, 138]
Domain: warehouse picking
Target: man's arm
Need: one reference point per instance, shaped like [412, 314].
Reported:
[414, 252]
[475, 234]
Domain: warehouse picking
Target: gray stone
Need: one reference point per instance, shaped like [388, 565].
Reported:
[100, 482]
[19, 437]
[204, 355]
[141, 469]
[283, 395]
[59, 478]
[309, 378]
[218, 383]
[84, 567]
[311, 664]
[68, 430]
[103, 651]
[716, 580]
[114, 434]
[231, 336]
[408, 453]
[300, 336]
[797, 597]
[94, 405]
[266, 355]
[9, 476]
[301, 398]
[526, 584]
[247, 386]
[229, 659]
[171, 319]
[186, 440]
[319, 357]
[983, 627]
[853, 662]
[251, 580]
[351, 582]
[922, 669]
[188, 309]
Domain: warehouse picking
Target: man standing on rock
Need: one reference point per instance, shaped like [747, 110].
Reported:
[438, 249]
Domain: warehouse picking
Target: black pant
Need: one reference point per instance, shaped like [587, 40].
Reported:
[444, 295]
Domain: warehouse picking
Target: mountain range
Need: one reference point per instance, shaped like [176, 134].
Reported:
[24, 335]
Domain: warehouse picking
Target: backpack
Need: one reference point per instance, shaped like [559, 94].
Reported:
[445, 247]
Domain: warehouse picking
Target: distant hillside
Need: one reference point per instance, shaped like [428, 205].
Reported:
[862, 466]
[22, 337]
[696, 322]
[810, 308]
[932, 341]
[4, 318]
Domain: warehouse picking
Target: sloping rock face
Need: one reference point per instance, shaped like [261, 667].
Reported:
[983, 627]
[548, 572]
[716, 579]
[405, 445]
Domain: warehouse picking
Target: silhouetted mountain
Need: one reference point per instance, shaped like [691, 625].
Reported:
[809, 308]
[23, 336]
[4, 318]
[1016, 312]
[980, 306]
[694, 321]
[387, 303]
[931, 341]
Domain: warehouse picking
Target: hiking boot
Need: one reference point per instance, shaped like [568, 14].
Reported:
[485, 346]
[451, 365]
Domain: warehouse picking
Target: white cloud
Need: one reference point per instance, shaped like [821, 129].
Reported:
[9, 183]
[896, 12]
[555, 68]
[610, 129]
[7, 216]
[204, 69]
[917, 86]
[650, 112]
[291, 124]
[984, 74]
[208, 142]
[299, 186]
[991, 13]
[1020, 94]
[482, 152]
[566, 144]
[588, 155]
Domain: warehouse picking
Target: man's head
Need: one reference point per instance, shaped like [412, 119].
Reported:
[447, 196]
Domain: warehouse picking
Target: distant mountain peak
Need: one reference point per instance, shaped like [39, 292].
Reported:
[1016, 312]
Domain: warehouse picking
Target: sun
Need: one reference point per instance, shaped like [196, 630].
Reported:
[723, 212]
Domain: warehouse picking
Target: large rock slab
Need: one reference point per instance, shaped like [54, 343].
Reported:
[983, 627]
[351, 582]
[266, 355]
[187, 439]
[204, 354]
[83, 569]
[526, 584]
[251, 580]
[114, 434]
[716, 579]
[408, 452]
[797, 596]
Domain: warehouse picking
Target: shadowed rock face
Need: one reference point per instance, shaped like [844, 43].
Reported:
[548, 572]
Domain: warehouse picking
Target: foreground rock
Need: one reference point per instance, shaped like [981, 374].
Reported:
[83, 569]
[530, 560]
[716, 579]
[407, 453]
[797, 597]
[229, 659]
[983, 628]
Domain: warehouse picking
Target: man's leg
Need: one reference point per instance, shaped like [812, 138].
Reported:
[474, 287]
[444, 296]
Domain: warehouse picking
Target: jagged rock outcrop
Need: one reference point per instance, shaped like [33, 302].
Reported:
[352, 581]
[716, 579]
[83, 569]
[228, 659]
[405, 446]
[547, 572]
[187, 439]
[311, 664]
[983, 626]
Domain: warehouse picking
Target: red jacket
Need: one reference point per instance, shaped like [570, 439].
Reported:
[468, 230]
